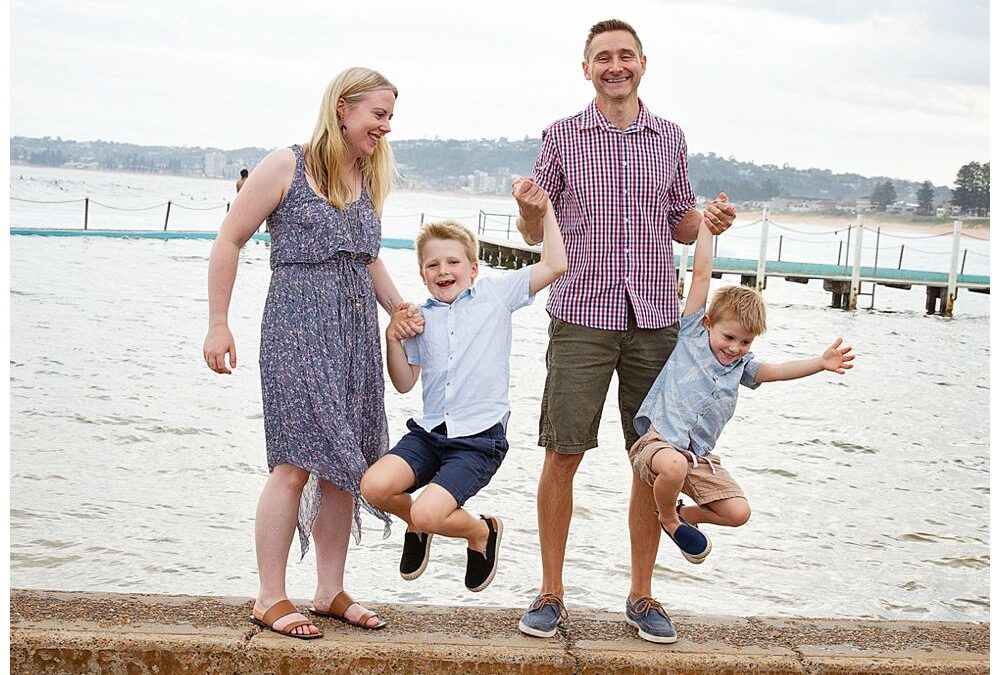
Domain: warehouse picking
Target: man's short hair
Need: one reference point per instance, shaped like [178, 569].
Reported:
[607, 26]
[446, 229]
[244, 173]
[743, 304]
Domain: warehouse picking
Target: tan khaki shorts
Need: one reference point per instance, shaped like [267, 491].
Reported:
[702, 483]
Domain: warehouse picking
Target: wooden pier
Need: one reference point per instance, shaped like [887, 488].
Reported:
[842, 281]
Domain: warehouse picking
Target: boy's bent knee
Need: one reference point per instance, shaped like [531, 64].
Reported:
[375, 489]
[424, 519]
[669, 465]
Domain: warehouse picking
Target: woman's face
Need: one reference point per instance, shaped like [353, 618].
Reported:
[366, 121]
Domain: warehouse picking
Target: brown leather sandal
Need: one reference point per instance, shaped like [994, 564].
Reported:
[279, 610]
[339, 607]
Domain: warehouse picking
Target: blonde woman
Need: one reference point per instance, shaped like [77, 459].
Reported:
[320, 356]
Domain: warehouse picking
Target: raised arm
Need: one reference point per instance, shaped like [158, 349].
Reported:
[262, 192]
[718, 216]
[552, 264]
[836, 359]
[701, 277]
[402, 373]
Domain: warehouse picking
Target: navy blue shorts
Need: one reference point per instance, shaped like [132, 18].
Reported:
[463, 466]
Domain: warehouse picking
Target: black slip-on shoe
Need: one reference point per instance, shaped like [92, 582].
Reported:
[482, 565]
[416, 553]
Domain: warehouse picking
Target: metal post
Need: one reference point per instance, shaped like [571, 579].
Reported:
[781, 239]
[167, 219]
[508, 225]
[965, 254]
[856, 269]
[682, 270]
[901, 247]
[762, 258]
[953, 272]
[227, 207]
[86, 211]
[421, 219]
[840, 251]
[878, 236]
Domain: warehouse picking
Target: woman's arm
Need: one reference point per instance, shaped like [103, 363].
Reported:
[262, 192]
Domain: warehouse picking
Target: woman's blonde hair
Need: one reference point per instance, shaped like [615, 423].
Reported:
[325, 149]
[743, 304]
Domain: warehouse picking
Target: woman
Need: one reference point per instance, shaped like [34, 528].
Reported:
[320, 356]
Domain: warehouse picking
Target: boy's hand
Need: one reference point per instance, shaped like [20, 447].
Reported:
[837, 359]
[406, 322]
[531, 199]
[720, 214]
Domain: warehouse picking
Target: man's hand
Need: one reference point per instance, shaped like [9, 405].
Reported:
[720, 214]
[837, 359]
[406, 322]
[532, 200]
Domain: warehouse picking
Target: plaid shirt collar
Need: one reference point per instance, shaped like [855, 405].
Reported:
[593, 118]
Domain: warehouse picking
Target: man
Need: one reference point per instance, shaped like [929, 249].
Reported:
[243, 178]
[617, 177]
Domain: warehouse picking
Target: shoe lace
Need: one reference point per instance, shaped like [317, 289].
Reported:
[644, 606]
[550, 599]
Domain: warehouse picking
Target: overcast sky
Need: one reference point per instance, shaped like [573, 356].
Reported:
[898, 88]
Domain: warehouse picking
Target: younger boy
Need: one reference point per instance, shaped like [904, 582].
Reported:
[463, 360]
[695, 395]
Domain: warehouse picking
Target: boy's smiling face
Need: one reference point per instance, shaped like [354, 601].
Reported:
[446, 269]
[728, 339]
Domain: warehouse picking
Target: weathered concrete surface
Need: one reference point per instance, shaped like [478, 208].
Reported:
[60, 632]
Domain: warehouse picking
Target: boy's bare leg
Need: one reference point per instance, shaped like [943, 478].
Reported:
[384, 485]
[731, 512]
[671, 469]
[436, 511]
[555, 510]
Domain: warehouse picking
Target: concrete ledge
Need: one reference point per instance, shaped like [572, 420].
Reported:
[62, 632]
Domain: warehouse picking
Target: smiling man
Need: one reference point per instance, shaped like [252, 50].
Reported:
[617, 177]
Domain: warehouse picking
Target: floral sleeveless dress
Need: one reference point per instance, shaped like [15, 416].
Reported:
[320, 355]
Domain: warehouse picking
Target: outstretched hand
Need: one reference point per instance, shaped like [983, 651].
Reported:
[406, 322]
[720, 214]
[837, 359]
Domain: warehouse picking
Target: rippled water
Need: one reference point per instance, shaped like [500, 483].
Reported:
[135, 469]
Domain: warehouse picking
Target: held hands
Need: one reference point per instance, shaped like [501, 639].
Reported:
[532, 200]
[720, 214]
[218, 343]
[406, 322]
[837, 359]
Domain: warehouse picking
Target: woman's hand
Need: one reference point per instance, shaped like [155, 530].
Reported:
[218, 343]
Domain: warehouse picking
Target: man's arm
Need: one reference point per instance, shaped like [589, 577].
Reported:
[836, 359]
[701, 277]
[719, 216]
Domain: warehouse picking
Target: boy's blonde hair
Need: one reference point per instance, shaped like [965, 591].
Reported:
[446, 229]
[741, 303]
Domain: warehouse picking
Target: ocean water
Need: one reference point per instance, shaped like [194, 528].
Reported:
[135, 469]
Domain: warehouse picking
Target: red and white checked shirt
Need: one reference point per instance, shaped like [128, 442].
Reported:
[618, 195]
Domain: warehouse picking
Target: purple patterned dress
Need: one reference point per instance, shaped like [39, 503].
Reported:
[320, 355]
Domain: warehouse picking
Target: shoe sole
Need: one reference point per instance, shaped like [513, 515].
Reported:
[648, 637]
[423, 565]
[496, 559]
[699, 559]
[536, 632]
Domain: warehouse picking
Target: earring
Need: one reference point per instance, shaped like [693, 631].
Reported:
[343, 129]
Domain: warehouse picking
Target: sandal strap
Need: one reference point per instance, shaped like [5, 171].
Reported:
[292, 626]
[341, 603]
[278, 610]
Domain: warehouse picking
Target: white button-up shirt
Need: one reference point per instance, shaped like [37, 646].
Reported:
[464, 354]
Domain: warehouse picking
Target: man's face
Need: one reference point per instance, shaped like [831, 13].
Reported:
[615, 65]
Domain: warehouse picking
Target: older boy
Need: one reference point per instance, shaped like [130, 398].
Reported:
[695, 395]
[463, 360]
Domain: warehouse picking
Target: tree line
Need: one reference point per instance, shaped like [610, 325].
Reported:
[971, 193]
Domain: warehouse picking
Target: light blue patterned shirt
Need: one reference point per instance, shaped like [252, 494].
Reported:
[694, 395]
[464, 354]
